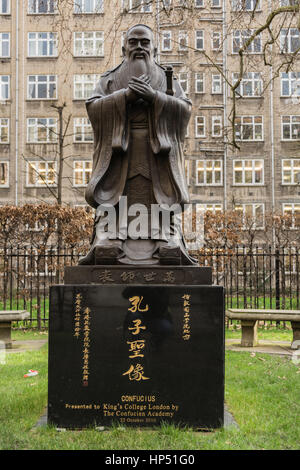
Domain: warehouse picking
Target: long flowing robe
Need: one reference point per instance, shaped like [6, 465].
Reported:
[168, 118]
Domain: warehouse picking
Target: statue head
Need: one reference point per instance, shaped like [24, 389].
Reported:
[139, 44]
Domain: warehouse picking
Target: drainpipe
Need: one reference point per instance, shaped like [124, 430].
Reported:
[17, 106]
[225, 102]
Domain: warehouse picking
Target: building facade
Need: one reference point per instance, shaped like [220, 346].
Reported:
[241, 153]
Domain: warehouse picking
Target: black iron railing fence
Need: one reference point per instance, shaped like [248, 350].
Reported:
[262, 277]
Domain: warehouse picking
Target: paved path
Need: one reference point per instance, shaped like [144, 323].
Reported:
[282, 348]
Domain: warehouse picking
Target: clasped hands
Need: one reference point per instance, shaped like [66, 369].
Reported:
[140, 88]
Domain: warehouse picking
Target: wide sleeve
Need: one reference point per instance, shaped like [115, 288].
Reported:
[107, 114]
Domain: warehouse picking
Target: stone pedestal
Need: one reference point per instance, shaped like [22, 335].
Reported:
[249, 333]
[5, 334]
[296, 332]
[6, 319]
[140, 347]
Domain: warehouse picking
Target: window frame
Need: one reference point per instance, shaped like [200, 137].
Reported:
[293, 172]
[206, 170]
[84, 171]
[48, 41]
[36, 127]
[83, 125]
[242, 40]
[214, 118]
[3, 85]
[35, 3]
[290, 80]
[253, 80]
[6, 142]
[199, 136]
[79, 10]
[8, 12]
[215, 80]
[94, 40]
[83, 84]
[242, 125]
[290, 124]
[244, 169]
[199, 39]
[31, 163]
[5, 162]
[3, 42]
[199, 80]
[286, 40]
[48, 84]
[253, 204]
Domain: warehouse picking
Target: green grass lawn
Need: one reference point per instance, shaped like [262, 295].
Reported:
[262, 392]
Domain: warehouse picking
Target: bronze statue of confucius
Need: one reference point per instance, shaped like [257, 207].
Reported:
[139, 127]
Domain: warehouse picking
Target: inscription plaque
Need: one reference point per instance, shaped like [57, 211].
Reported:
[136, 355]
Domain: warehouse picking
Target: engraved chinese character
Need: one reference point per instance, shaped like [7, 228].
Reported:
[137, 327]
[149, 276]
[136, 304]
[128, 276]
[136, 373]
[105, 276]
[136, 347]
[169, 277]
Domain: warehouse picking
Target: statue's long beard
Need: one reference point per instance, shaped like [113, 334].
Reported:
[138, 67]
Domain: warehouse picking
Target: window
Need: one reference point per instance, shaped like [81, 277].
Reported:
[183, 79]
[83, 130]
[292, 209]
[199, 82]
[183, 40]
[213, 208]
[290, 84]
[42, 44]
[4, 7]
[248, 172]
[251, 85]
[42, 87]
[290, 127]
[42, 6]
[199, 3]
[140, 6]
[209, 172]
[199, 40]
[287, 3]
[40, 174]
[240, 37]
[166, 41]
[4, 87]
[187, 164]
[252, 213]
[82, 171]
[200, 126]
[88, 6]
[4, 44]
[216, 3]
[216, 41]
[249, 128]
[41, 130]
[4, 130]
[89, 43]
[4, 174]
[216, 126]
[289, 40]
[291, 171]
[246, 5]
[167, 4]
[216, 84]
[84, 85]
